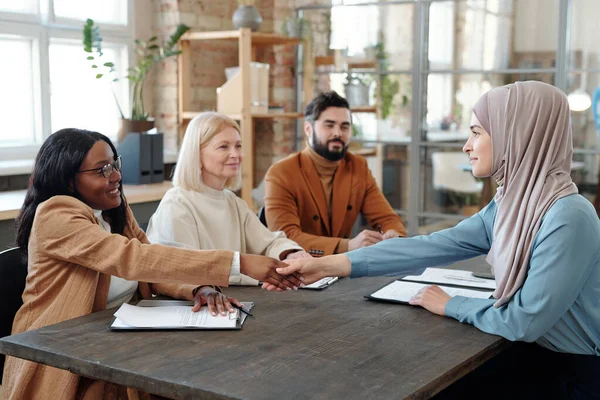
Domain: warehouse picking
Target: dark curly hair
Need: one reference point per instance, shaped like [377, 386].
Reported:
[56, 165]
[321, 103]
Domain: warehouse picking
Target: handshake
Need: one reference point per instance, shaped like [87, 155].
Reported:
[295, 271]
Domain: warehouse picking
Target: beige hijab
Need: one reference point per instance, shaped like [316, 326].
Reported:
[530, 126]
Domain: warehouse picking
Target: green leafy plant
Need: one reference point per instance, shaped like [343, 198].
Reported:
[389, 87]
[148, 53]
[296, 27]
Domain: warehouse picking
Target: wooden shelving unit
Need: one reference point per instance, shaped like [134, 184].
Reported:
[257, 38]
[330, 61]
[366, 151]
[187, 115]
[248, 41]
[364, 109]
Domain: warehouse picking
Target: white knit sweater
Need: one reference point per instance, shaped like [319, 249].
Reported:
[212, 219]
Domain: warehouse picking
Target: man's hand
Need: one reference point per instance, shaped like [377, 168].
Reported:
[263, 269]
[390, 234]
[431, 298]
[364, 239]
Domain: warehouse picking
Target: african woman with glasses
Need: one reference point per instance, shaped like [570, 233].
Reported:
[86, 253]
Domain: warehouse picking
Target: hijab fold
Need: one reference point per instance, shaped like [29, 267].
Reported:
[532, 147]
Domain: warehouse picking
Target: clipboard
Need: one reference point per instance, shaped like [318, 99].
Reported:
[390, 292]
[483, 274]
[118, 325]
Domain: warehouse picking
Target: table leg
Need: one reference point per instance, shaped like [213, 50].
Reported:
[132, 394]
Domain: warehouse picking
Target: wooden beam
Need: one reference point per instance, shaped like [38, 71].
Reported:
[183, 86]
[256, 38]
[246, 125]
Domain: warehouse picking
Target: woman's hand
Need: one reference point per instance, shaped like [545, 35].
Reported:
[297, 254]
[263, 269]
[431, 298]
[217, 302]
[313, 269]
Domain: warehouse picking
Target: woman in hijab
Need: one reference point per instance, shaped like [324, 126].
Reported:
[541, 238]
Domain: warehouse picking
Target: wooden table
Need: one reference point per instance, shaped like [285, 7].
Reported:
[331, 344]
[143, 200]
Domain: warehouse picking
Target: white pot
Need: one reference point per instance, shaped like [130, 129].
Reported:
[357, 94]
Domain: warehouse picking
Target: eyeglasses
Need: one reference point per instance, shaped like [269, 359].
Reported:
[108, 169]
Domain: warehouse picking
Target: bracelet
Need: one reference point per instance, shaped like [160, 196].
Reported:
[218, 289]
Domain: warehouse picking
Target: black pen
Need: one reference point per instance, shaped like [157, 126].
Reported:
[242, 309]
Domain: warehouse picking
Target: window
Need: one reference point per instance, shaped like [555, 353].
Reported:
[77, 99]
[354, 37]
[22, 6]
[50, 81]
[108, 11]
[17, 101]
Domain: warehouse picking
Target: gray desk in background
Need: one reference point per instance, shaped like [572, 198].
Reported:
[143, 200]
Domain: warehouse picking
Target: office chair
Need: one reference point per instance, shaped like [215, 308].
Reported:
[13, 272]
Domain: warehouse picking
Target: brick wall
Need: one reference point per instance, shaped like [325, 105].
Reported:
[274, 139]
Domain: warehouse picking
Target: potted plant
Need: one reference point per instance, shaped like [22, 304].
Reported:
[389, 87]
[447, 122]
[356, 87]
[149, 53]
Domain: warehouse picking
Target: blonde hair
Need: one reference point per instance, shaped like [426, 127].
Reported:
[200, 131]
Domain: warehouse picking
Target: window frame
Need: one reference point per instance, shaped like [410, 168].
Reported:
[41, 28]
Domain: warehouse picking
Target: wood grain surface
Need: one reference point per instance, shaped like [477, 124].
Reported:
[330, 344]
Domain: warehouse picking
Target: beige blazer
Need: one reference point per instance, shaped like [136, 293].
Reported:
[71, 259]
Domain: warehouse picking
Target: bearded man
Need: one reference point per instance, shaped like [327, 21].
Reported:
[316, 195]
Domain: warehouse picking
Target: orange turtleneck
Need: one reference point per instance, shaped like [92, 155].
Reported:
[326, 170]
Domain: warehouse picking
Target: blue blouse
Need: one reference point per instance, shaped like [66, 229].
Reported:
[558, 306]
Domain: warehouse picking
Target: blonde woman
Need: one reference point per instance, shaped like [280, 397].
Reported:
[202, 212]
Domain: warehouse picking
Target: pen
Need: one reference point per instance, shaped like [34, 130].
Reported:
[242, 309]
[378, 228]
[460, 278]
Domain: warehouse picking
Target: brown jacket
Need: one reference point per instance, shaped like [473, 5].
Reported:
[295, 202]
[71, 259]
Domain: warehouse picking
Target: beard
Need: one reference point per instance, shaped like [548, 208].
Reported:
[322, 149]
